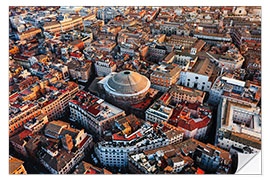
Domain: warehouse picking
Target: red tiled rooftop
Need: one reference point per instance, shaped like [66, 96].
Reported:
[142, 105]
[13, 96]
[227, 8]
[63, 91]
[26, 92]
[93, 110]
[139, 134]
[199, 171]
[53, 88]
[49, 102]
[92, 107]
[25, 133]
[181, 120]
[165, 128]
[78, 55]
[48, 76]
[20, 106]
[165, 97]
[83, 141]
[90, 171]
[122, 138]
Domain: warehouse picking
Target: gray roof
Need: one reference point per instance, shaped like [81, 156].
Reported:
[128, 82]
[54, 128]
[58, 162]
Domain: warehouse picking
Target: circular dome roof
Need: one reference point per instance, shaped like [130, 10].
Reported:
[128, 82]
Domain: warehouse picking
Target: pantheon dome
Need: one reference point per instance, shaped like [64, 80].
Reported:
[127, 87]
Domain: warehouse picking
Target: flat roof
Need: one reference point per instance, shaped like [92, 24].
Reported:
[234, 81]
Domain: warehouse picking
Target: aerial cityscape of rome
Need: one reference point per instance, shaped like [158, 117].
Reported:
[134, 90]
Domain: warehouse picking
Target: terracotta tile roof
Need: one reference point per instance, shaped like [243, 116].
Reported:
[14, 164]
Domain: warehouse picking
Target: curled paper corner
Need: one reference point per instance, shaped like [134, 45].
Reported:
[249, 163]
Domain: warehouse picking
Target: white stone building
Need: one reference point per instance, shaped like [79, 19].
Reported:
[158, 113]
[236, 142]
[195, 80]
[115, 153]
[104, 67]
[241, 123]
[92, 112]
[224, 84]
[201, 76]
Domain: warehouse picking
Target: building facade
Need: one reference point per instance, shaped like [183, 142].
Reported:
[115, 153]
[164, 76]
[104, 67]
[92, 112]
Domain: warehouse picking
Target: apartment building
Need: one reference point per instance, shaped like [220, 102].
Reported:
[184, 60]
[241, 118]
[181, 93]
[55, 103]
[212, 37]
[104, 45]
[194, 122]
[230, 60]
[236, 142]
[68, 23]
[74, 145]
[29, 34]
[241, 35]
[224, 84]
[104, 67]
[36, 124]
[115, 152]
[164, 76]
[107, 13]
[158, 113]
[92, 112]
[21, 113]
[173, 159]
[181, 41]
[80, 70]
